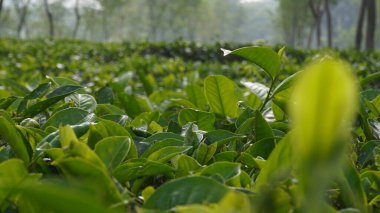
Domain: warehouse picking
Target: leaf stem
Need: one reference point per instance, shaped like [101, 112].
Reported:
[267, 99]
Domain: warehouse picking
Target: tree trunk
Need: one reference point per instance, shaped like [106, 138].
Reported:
[328, 23]
[50, 19]
[318, 23]
[1, 5]
[371, 25]
[310, 39]
[1, 9]
[317, 14]
[22, 13]
[77, 19]
[359, 27]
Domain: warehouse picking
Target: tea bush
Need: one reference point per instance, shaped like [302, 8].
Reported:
[90, 127]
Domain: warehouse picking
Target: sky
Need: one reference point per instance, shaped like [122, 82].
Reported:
[67, 3]
[95, 4]
[82, 3]
[247, 1]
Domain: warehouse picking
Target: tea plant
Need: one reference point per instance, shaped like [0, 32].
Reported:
[190, 141]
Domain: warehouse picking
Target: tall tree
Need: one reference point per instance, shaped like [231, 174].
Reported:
[1, 9]
[49, 15]
[1, 5]
[328, 23]
[77, 18]
[317, 12]
[21, 10]
[368, 7]
[293, 19]
[359, 27]
[371, 25]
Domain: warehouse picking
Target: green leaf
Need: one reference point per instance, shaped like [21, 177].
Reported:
[323, 108]
[147, 192]
[262, 148]
[162, 144]
[183, 102]
[74, 148]
[251, 162]
[10, 134]
[244, 116]
[174, 127]
[83, 101]
[39, 91]
[63, 90]
[221, 137]
[278, 166]
[204, 153]
[264, 57]
[12, 173]
[370, 78]
[133, 104]
[15, 86]
[185, 165]
[52, 98]
[113, 150]
[246, 128]
[260, 90]
[69, 116]
[105, 95]
[204, 120]
[164, 154]
[54, 197]
[96, 178]
[281, 99]
[5, 103]
[281, 52]
[283, 91]
[61, 81]
[221, 171]
[52, 140]
[370, 94]
[160, 96]
[221, 95]
[287, 83]
[67, 136]
[235, 201]
[262, 128]
[194, 208]
[195, 94]
[278, 113]
[229, 156]
[352, 191]
[253, 101]
[372, 176]
[145, 119]
[147, 80]
[103, 129]
[107, 109]
[185, 191]
[140, 168]
[366, 152]
[162, 136]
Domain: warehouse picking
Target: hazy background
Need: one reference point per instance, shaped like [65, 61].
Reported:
[273, 21]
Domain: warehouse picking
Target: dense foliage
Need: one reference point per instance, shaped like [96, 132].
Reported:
[90, 127]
